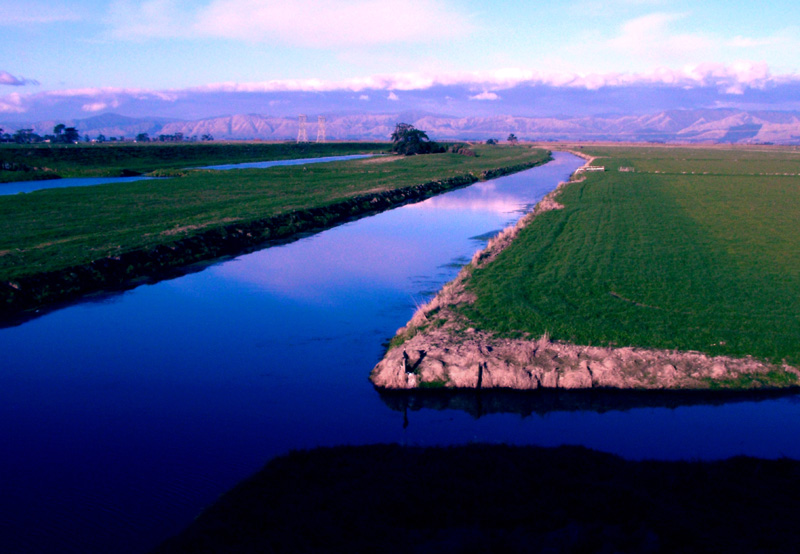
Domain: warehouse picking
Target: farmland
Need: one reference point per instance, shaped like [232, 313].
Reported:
[54, 230]
[697, 249]
[104, 160]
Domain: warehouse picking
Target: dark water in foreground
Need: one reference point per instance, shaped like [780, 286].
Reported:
[121, 419]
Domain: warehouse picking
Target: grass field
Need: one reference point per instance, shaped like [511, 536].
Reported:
[660, 258]
[51, 229]
[103, 160]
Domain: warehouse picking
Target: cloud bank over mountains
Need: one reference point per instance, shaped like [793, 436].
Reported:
[720, 125]
[517, 92]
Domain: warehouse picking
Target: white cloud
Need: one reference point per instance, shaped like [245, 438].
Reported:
[748, 74]
[109, 93]
[12, 103]
[307, 23]
[94, 107]
[485, 95]
[651, 38]
[733, 79]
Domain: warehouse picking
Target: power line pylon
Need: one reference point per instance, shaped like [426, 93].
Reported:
[321, 128]
[302, 134]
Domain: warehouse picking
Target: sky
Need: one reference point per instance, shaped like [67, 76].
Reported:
[180, 58]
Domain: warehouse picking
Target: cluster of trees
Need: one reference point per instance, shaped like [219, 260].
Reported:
[177, 137]
[408, 140]
[69, 135]
[61, 134]
[512, 138]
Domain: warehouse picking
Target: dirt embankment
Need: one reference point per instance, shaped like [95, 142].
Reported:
[439, 349]
[173, 257]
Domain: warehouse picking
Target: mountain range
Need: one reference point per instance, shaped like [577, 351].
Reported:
[698, 125]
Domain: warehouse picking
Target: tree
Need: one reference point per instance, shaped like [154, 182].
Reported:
[409, 141]
[207, 137]
[491, 141]
[101, 137]
[58, 129]
[26, 136]
[142, 137]
[71, 134]
[512, 138]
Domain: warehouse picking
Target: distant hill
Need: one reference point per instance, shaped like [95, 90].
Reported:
[718, 125]
[110, 125]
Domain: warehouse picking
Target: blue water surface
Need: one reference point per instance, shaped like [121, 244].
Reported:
[122, 419]
[301, 161]
[17, 187]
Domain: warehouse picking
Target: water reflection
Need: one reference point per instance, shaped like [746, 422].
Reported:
[481, 403]
[481, 197]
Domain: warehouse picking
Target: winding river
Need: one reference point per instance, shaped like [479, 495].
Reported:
[121, 418]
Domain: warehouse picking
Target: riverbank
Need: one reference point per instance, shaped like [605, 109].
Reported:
[126, 159]
[443, 346]
[174, 246]
[492, 498]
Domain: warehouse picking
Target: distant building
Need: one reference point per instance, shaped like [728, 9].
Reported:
[626, 169]
[592, 168]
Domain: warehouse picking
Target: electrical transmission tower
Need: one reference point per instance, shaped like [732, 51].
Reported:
[302, 134]
[321, 128]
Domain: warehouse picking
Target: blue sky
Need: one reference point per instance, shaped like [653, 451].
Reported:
[94, 56]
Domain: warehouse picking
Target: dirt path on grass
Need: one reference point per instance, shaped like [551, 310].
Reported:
[437, 348]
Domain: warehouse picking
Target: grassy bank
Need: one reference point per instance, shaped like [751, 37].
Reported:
[52, 230]
[482, 498]
[104, 160]
[695, 250]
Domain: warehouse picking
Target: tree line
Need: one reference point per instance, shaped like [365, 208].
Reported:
[61, 135]
[410, 141]
[70, 135]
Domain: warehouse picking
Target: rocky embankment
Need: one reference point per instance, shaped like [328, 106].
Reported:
[439, 349]
[174, 257]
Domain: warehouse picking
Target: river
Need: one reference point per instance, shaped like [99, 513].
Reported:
[123, 417]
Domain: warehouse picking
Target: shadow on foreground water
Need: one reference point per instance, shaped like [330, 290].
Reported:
[484, 498]
[479, 403]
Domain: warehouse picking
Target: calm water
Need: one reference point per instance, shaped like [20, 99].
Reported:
[120, 420]
[30, 186]
[301, 161]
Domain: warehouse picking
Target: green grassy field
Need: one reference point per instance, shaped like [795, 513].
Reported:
[52, 229]
[103, 160]
[659, 258]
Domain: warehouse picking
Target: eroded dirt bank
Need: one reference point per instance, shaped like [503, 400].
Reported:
[439, 349]
[19, 297]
